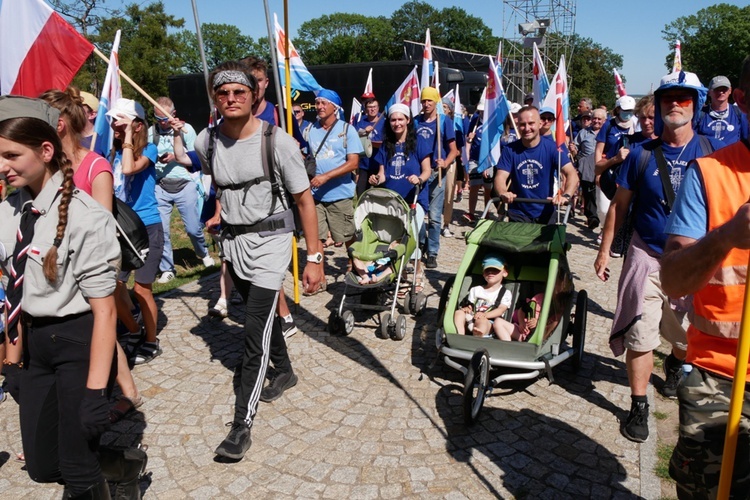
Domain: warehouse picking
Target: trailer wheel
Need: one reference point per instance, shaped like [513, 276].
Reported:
[476, 384]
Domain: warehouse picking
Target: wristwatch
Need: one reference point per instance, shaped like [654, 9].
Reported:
[566, 196]
[315, 258]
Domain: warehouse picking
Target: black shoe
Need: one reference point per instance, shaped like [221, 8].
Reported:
[431, 262]
[280, 382]
[237, 442]
[288, 328]
[98, 491]
[673, 374]
[636, 425]
[593, 223]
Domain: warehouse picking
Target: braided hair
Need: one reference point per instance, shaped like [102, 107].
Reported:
[32, 133]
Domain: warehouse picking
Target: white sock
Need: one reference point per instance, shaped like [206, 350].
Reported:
[288, 317]
[221, 302]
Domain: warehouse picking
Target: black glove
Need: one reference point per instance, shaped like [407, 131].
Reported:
[12, 384]
[94, 413]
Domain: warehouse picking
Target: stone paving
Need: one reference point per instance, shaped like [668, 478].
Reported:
[369, 417]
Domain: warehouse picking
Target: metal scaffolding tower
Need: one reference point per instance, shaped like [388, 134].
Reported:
[549, 23]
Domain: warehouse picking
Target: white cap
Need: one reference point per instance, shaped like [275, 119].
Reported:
[129, 108]
[515, 108]
[625, 103]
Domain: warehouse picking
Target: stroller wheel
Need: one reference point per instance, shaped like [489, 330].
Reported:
[385, 320]
[476, 385]
[335, 324]
[399, 329]
[347, 322]
[419, 304]
[407, 303]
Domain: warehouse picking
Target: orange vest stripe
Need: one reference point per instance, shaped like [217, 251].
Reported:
[717, 307]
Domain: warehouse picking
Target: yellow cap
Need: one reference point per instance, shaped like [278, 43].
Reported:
[430, 94]
[90, 100]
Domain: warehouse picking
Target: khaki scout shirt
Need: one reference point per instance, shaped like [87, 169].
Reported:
[86, 260]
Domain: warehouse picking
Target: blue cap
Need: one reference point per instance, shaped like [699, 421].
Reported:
[329, 95]
[493, 261]
[547, 109]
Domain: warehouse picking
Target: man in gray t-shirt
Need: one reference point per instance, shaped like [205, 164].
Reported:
[256, 235]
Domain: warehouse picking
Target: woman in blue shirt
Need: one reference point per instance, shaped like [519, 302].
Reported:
[135, 183]
[404, 164]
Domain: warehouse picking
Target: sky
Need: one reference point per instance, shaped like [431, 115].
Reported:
[632, 28]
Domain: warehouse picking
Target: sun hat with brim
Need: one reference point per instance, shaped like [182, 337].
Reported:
[680, 80]
[129, 108]
[493, 262]
[16, 106]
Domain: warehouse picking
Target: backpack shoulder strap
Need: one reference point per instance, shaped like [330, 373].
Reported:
[706, 147]
[269, 168]
[346, 131]
[213, 134]
[661, 164]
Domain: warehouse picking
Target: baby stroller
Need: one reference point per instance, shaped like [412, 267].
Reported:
[536, 263]
[386, 238]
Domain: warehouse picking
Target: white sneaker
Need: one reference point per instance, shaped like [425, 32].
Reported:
[165, 277]
[447, 232]
[219, 310]
[208, 261]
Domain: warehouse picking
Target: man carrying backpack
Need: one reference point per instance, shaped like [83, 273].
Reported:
[649, 178]
[255, 167]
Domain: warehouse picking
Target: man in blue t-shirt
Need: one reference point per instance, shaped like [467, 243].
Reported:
[645, 311]
[336, 148]
[719, 119]
[444, 153]
[530, 164]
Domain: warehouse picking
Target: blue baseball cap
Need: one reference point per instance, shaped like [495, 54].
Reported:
[491, 261]
[547, 109]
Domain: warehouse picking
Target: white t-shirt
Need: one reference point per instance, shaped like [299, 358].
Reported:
[483, 299]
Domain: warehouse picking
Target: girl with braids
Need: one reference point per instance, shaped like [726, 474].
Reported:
[404, 163]
[134, 165]
[92, 174]
[59, 255]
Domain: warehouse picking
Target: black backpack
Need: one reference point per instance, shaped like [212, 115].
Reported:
[131, 234]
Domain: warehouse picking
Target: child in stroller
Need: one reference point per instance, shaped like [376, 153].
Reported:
[485, 305]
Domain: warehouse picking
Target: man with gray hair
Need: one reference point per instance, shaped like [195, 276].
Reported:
[719, 119]
[176, 186]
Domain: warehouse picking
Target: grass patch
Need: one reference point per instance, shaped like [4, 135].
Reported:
[188, 266]
[663, 454]
[660, 415]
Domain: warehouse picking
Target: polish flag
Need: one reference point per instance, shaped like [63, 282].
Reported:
[356, 111]
[38, 49]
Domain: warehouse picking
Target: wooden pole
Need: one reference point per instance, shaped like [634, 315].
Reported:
[133, 84]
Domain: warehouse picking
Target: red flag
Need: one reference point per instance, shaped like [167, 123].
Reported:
[38, 49]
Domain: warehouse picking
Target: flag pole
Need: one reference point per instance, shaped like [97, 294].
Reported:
[736, 401]
[275, 62]
[133, 84]
[288, 92]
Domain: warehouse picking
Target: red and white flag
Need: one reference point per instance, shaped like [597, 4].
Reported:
[356, 111]
[368, 93]
[408, 93]
[677, 65]
[426, 61]
[39, 50]
[618, 83]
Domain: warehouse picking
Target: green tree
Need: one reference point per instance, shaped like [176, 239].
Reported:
[148, 52]
[221, 42]
[460, 31]
[346, 38]
[714, 41]
[412, 20]
[591, 72]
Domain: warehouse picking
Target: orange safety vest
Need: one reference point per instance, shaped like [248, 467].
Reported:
[717, 307]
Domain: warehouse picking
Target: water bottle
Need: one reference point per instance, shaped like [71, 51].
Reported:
[686, 369]
[2, 309]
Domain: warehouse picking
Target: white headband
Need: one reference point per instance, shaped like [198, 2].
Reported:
[232, 76]
[399, 108]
